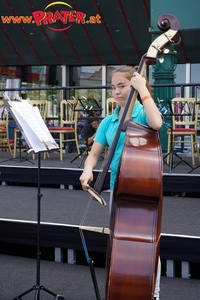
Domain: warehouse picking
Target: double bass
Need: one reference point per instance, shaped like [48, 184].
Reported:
[135, 223]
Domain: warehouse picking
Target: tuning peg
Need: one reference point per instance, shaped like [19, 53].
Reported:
[165, 51]
[161, 60]
[162, 51]
[172, 42]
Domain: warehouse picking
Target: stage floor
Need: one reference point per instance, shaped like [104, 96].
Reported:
[181, 164]
[65, 206]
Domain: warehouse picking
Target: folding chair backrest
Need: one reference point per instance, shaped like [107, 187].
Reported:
[111, 104]
[68, 113]
[42, 106]
[3, 114]
[185, 112]
[4, 130]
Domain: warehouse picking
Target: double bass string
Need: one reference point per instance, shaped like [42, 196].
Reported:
[106, 162]
[89, 260]
[101, 176]
[126, 114]
[90, 198]
[105, 165]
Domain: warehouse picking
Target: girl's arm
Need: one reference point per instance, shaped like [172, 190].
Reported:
[151, 110]
[90, 162]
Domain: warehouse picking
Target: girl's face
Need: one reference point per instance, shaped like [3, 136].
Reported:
[120, 88]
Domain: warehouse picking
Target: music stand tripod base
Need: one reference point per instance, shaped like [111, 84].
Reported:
[171, 162]
[84, 155]
[57, 297]
[20, 158]
[78, 156]
[193, 169]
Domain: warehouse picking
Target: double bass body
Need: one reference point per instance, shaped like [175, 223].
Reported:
[135, 225]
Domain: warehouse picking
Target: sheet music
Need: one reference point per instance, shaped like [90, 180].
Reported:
[31, 125]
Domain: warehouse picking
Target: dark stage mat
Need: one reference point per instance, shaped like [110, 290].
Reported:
[75, 207]
[183, 166]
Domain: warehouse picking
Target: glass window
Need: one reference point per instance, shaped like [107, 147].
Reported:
[180, 73]
[195, 73]
[87, 76]
[27, 77]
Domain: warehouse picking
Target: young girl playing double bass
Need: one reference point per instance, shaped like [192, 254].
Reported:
[146, 114]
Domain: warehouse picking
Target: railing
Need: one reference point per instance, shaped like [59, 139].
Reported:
[184, 90]
[194, 87]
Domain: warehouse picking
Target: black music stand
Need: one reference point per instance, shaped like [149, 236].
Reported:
[89, 117]
[37, 287]
[84, 153]
[28, 120]
[172, 152]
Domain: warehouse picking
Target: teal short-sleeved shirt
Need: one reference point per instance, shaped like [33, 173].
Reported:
[106, 132]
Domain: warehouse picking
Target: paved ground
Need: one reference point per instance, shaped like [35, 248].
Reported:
[18, 275]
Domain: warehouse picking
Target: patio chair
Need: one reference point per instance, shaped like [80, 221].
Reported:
[5, 142]
[66, 132]
[184, 124]
[111, 104]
